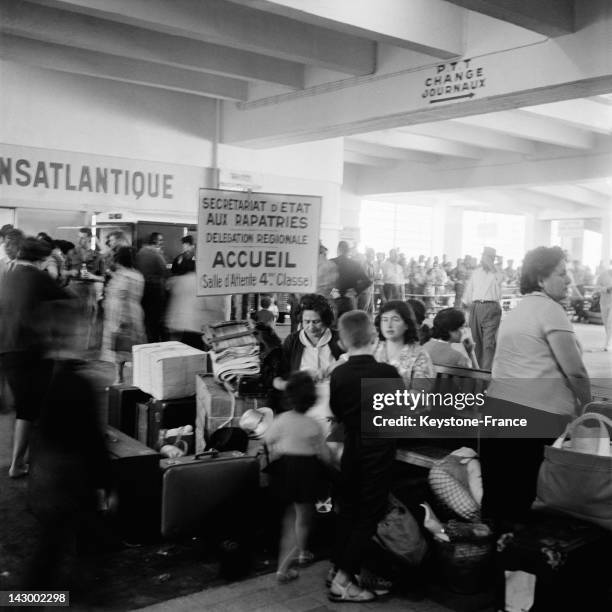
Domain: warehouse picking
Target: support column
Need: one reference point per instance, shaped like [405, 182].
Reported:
[537, 232]
[606, 231]
[453, 233]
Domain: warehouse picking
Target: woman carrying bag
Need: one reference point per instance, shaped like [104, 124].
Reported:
[538, 374]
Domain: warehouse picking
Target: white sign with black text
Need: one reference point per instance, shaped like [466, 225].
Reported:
[257, 242]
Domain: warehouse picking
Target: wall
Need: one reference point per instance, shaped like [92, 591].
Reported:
[120, 125]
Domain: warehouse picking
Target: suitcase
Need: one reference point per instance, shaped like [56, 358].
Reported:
[122, 409]
[199, 491]
[155, 416]
[136, 481]
[568, 558]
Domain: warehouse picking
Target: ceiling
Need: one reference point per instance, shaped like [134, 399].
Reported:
[239, 51]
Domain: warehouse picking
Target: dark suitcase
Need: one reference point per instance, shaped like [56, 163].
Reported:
[122, 407]
[136, 482]
[569, 559]
[156, 415]
[198, 491]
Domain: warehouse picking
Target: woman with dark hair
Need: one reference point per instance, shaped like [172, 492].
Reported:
[399, 346]
[447, 329]
[314, 347]
[420, 314]
[538, 374]
[123, 315]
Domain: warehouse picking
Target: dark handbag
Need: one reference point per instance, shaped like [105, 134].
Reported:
[399, 533]
[122, 341]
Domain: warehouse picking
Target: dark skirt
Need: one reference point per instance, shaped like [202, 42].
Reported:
[510, 466]
[295, 478]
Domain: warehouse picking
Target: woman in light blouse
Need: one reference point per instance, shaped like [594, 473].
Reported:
[399, 346]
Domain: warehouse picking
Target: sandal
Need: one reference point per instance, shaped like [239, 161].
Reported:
[288, 576]
[374, 583]
[331, 574]
[305, 558]
[358, 595]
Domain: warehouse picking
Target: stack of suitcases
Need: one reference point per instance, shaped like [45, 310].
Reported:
[172, 496]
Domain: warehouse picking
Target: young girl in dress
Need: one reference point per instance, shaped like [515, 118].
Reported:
[296, 445]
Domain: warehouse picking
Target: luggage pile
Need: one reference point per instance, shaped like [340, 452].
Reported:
[235, 351]
[157, 432]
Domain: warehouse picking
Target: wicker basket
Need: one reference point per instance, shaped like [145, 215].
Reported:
[465, 562]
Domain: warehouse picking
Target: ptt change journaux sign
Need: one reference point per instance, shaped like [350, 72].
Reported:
[257, 242]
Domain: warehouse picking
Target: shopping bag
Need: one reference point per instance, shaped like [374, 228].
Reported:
[399, 533]
[576, 482]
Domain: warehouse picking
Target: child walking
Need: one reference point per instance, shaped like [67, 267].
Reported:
[365, 466]
[296, 445]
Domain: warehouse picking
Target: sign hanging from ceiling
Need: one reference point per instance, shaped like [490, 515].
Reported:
[460, 80]
[257, 242]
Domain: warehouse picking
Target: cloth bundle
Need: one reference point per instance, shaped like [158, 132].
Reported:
[235, 351]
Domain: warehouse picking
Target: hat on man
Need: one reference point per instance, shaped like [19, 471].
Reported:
[490, 251]
[256, 421]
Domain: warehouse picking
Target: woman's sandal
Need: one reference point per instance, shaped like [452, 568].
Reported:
[288, 576]
[359, 595]
[305, 558]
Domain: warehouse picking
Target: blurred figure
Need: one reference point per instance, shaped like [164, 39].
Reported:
[365, 300]
[152, 265]
[393, 277]
[114, 241]
[3, 231]
[264, 314]
[187, 313]
[327, 274]
[123, 314]
[49, 264]
[186, 255]
[420, 314]
[69, 475]
[604, 283]
[12, 242]
[352, 280]
[25, 337]
[85, 267]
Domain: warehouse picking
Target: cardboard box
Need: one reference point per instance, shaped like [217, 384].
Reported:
[167, 370]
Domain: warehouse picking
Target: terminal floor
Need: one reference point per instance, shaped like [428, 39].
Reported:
[135, 577]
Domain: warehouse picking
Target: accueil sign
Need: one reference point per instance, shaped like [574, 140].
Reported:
[458, 80]
[257, 242]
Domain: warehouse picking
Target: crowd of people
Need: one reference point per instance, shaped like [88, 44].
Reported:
[358, 325]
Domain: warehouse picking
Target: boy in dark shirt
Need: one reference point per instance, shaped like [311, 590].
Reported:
[366, 463]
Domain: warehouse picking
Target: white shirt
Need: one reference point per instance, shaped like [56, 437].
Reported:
[484, 285]
[392, 273]
[317, 359]
[524, 368]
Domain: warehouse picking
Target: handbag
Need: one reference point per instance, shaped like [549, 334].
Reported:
[575, 477]
[122, 341]
[399, 533]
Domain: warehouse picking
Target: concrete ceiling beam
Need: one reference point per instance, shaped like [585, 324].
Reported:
[549, 17]
[572, 66]
[227, 24]
[583, 113]
[90, 63]
[427, 144]
[432, 27]
[474, 135]
[525, 125]
[82, 31]
[385, 152]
